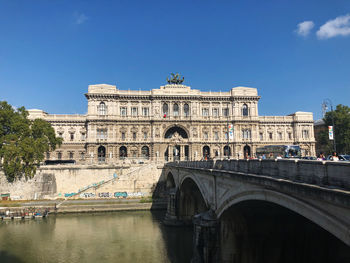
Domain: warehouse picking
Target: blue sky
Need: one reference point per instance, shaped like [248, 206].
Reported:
[296, 53]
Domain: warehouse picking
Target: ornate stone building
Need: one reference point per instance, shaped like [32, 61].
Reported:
[173, 122]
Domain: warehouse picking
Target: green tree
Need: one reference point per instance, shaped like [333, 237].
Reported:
[341, 117]
[23, 142]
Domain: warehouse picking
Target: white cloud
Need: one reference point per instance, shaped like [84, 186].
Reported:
[340, 26]
[80, 18]
[304, 28]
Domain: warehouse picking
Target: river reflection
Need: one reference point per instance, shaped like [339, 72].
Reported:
[102, 237]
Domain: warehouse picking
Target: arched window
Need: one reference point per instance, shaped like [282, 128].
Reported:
[186, 110]
[206, 152]
[101, 154]
[145, 152]
[176, 109]
[246, 151]
[165, 109]
[245, 110]
[102, 109]
[227, 151]
[123, 152]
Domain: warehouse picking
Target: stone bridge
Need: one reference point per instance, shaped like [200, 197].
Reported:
[262, 210]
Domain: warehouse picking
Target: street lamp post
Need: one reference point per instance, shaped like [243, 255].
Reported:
[328, 103]
[228, 131]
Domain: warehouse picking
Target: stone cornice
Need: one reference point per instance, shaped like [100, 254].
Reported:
[82, 122]
[175, 97]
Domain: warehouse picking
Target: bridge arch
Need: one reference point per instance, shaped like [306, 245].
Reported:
[315, 214]
[190, 199]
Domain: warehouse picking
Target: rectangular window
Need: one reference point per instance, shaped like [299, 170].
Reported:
[215, 112]
[82, 156]
[72, 136]
[226, 135]
[101, 134]
[205, 112]
[134, 135]
[59, 155]
[225, 112]
[123, 111]
[289, 135]
[145, 111]
[71, 155]
[246, 134]
[123, 136]
[145, 135]
[83, 136]
[261, 135]
[216, 136]
[47, 155]
[134, 111]
[305, 134]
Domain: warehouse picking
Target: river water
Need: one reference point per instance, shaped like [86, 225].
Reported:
[125, 237]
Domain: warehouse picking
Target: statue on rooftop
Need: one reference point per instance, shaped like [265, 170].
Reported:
[175, 79]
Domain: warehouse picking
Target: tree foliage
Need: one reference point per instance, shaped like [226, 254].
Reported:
[23, 142]
[341, 128]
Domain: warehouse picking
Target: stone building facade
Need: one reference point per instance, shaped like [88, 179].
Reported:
[173, 122]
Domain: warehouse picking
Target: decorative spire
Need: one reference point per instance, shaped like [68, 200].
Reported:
[175, 79]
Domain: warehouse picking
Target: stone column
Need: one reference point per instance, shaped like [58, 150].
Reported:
[171, 152]
[206, 238]
[182, 152]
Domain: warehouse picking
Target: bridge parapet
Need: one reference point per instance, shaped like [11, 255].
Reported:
[322, 173]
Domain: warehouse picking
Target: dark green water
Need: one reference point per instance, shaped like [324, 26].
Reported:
[102, 237]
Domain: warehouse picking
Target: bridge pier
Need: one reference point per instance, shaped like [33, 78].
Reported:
[171, 218]
[206, 238]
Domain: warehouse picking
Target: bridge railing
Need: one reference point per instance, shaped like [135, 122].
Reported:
[323, 173]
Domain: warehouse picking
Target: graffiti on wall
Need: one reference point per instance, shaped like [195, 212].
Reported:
[69, 194]
[137, 194]
[121, 194]
[87, 195]
[106, 195]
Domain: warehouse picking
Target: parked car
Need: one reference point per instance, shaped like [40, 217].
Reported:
[342, 157]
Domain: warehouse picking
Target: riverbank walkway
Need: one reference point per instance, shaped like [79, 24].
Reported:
[86, 206]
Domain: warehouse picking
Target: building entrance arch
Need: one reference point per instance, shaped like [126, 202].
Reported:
[176, 129]
[177, 147]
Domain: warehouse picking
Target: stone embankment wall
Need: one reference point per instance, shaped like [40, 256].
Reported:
[87, 181]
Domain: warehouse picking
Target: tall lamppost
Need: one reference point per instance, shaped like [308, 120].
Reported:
[228, 130]
[325, 105]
